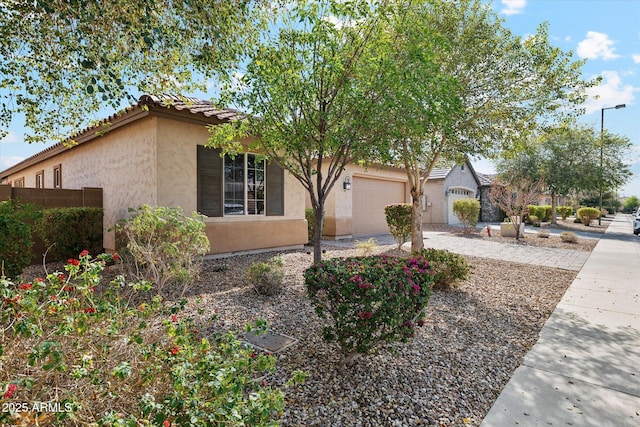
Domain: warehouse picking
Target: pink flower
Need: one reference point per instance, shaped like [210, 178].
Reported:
[84, 253]
[166, 423]
[364, 315]
[10, 390]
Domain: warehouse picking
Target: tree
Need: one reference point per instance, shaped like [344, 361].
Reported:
[60, 62]
[309, 89]
[566, 158]
[631, 203]
[488, 90]
[514, 194]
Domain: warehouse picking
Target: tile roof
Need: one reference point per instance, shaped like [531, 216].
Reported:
[194, 106]
[486, 179]
[440, 173]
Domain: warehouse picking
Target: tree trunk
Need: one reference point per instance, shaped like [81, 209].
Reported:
[317, 237]
[417, 243]
[554, 207]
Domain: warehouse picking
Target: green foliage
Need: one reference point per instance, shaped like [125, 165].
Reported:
[116, 49]
[267, 278]
[587, 215]
[109, 362]
[310, 216]
[163, 245]
[564, 211]
[631, 203]
[67, 231]
[16, 236]
[448, 268]
[542, 212]
[369, 301]
[569, 237]
[399, 221]
[468, 212]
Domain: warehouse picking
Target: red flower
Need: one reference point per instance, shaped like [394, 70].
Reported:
[166, 423]
[61, 276]
[10, 390]
[174, 318]
[73, 261]
[26, 286]
[364, 315]
[264, 383]
[84, 253]
[174, 350]
[115, 258]
[253, 354]
[89, 310]
[67, 288]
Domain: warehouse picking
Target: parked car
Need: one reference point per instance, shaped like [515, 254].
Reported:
[636, 223]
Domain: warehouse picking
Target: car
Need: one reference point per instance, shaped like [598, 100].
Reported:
[636, 223]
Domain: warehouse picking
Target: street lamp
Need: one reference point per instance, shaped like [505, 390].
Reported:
[617, 107]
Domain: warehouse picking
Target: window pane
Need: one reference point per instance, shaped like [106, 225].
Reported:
[234, 185]
[255, 185]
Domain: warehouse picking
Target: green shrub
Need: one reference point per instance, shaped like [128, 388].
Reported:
[448, 268]
[577, 221]
[587, 215]
[467, 211]
[163, 246]
[310, 216]
[369, 301]
[533, 220]
[267, 278]
[67, 231]
[399, 221]
[547, 213]
[110, 363]
[565, 211]
[16, 236]
[569, 237]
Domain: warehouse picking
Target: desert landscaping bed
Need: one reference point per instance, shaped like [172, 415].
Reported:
[449, 374]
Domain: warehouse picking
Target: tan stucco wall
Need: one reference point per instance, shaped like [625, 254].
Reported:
[127, 180]
[133, 170]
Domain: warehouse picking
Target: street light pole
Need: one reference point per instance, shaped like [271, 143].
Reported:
[617, 107]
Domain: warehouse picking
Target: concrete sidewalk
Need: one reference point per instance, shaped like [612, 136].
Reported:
[585, 368]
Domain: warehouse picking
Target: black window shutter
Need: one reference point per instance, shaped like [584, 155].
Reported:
[210, 166]
[275, 189]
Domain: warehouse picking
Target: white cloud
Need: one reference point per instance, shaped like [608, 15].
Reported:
[597, 46]
[7, 162]
[513, 7]
[636, 58]
[611, 92]
[11, 137]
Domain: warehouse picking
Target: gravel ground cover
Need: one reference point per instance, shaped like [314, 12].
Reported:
[448, 375]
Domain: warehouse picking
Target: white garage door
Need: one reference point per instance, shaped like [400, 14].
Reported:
[370, 196]
[456, 194]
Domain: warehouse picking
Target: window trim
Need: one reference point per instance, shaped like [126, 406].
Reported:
[57, 168]
[19, 182]
[40, 176]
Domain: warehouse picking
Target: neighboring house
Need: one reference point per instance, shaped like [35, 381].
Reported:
[359, 210]
[153, 153]
[489, 212]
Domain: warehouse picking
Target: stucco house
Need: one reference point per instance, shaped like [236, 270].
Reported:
[154, 153]
[355, 207]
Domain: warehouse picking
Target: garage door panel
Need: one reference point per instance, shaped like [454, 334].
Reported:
[370, 196]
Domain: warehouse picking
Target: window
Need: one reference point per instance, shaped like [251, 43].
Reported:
[238, 186]
[40, 179]
[57, 176]
[243, 185]
[19, 183]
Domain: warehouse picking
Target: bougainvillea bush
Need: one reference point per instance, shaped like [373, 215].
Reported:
[98, 360]
[369, 301]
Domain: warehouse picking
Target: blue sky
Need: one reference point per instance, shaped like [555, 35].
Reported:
[606, 32]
